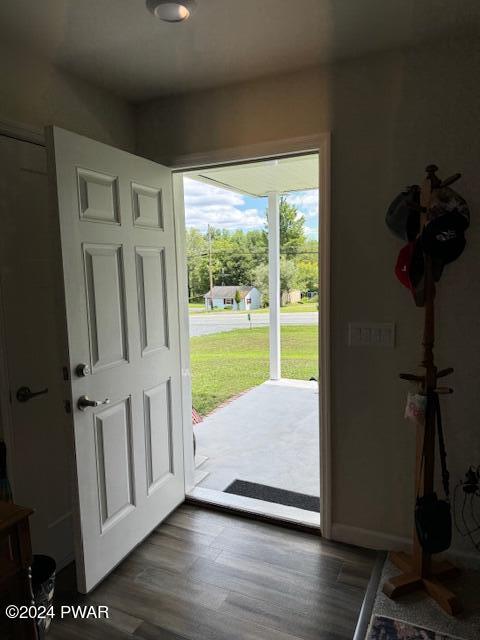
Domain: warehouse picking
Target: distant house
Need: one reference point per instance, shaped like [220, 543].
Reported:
[221, 297]
[290, 297]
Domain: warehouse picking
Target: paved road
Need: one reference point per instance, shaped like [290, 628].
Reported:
[205, 323]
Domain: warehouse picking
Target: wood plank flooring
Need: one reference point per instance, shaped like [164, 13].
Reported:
[205, 575]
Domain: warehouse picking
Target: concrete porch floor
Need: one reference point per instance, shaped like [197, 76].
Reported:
[269, 435]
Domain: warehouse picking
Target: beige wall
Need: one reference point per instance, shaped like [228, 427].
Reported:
[34, 93]
[390, 115]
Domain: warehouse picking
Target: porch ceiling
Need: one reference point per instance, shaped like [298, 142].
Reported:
[282, 175]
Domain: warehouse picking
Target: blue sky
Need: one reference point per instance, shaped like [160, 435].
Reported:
[206, 204]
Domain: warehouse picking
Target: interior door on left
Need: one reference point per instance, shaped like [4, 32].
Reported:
[35, 429]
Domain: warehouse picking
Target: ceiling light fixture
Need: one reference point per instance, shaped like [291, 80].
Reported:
[171, 11]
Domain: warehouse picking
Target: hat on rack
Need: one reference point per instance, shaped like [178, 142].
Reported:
[445, 200]
[403, 214]
[410, 269]
[402, 267]
[444, 237]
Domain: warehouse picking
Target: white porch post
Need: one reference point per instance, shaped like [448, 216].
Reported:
[274, 282]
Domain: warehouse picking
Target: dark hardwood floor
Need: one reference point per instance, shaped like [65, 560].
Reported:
[204, 575]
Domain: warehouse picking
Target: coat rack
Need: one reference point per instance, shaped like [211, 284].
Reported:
[419, 570]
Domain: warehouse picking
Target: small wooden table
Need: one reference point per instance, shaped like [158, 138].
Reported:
[15, 570]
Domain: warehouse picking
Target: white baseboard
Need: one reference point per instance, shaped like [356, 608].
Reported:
[381, 540]
[367, 537]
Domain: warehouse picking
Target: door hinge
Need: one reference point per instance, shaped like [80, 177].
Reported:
[68, 406]
[66, 375]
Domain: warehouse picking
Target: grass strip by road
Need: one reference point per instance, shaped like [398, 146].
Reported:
[225, 364]
[289, 308]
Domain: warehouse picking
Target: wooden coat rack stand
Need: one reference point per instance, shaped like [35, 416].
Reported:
[419, 571]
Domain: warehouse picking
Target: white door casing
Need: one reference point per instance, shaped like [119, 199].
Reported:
[320, 143]
[118, 246]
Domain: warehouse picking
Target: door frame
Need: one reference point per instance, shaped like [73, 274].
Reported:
[319, 143]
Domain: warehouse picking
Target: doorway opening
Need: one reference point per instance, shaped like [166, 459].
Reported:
[252, 256]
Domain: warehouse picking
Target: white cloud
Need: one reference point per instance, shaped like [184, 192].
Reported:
[304, 198]
[306, 201]
[206, 204]
[311, 233]
[200, 193]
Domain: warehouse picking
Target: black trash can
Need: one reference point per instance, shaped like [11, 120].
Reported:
[43, 584]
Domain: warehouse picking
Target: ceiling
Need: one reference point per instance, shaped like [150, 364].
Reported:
[258, 179]
[119, 45]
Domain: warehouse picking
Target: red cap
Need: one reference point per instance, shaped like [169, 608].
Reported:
[402, 268]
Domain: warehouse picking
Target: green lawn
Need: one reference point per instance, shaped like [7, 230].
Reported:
[299, 307]
[194, 307]
[289, 308]
[224, 364]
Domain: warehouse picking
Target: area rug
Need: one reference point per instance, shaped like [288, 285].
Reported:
[383, 628]
[272, 494]
[420, 611]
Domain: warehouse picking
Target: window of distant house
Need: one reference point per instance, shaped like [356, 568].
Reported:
[248, 301]
[228, 301]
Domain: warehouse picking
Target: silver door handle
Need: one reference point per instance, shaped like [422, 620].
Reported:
[84, 402]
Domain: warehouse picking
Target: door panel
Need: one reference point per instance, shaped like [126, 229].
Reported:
[113, 430]
[118, 247]
[98, 197]
[152, 298]
[147, 206]
[107, 322]
[158, 434]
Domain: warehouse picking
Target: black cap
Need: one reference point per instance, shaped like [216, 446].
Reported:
[444, 237]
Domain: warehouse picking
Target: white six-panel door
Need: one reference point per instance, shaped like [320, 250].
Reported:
[119, 263]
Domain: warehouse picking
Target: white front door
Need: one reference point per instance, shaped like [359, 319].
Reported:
[119, 263]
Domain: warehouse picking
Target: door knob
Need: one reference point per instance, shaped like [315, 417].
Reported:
[82, 370]
[84, 402]
[24, 394]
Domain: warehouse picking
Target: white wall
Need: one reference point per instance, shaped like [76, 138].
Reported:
[35, 93]
[256, 298]
[390, 115]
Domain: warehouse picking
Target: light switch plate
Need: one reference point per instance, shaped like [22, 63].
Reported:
[371, 334]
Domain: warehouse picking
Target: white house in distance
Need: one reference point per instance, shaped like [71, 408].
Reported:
[221, 297]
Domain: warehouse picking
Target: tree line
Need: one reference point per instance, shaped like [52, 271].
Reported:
[241, 257]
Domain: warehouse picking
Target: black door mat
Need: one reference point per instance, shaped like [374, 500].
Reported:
[272, 494]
